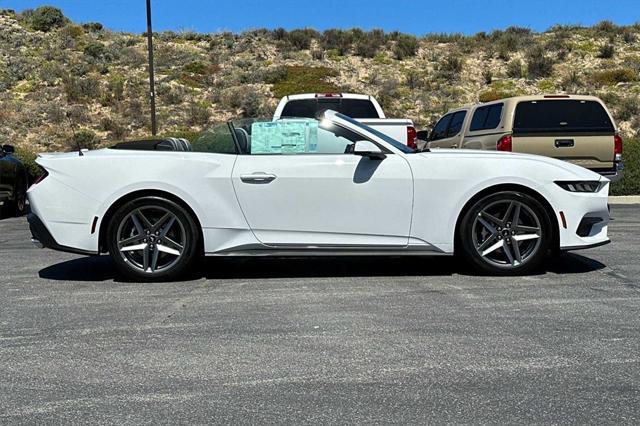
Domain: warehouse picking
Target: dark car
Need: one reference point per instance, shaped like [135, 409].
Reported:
[13, 182]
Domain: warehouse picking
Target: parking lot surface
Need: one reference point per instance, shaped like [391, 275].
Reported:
[321, 340]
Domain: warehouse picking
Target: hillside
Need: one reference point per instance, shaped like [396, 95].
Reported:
[56, 74]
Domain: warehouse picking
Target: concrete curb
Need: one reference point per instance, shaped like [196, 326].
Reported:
[627, 199]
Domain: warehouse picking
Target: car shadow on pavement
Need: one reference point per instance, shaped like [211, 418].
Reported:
[100, 268]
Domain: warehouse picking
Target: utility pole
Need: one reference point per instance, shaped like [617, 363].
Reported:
[152, 84]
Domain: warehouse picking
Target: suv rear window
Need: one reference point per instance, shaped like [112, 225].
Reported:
[486, 117]
[561, 116]
[308, 108]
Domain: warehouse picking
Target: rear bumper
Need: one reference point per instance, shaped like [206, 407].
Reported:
[615, 174]
[41, 237]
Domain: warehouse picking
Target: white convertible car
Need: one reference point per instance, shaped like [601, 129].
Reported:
[304, 187]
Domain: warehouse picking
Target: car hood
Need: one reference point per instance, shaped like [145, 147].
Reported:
[579, 173]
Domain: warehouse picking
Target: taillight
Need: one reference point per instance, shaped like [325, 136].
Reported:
[617, 148]
[43, 174]
[411, 137]
[505, 143]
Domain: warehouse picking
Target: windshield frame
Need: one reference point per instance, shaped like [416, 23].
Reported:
[388, 139]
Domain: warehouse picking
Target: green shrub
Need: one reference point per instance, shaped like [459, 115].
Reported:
[515, 69]
[303, 79]
[92, 26]
[198, 113]
[615, 76]
[28, 157]
[451, 67]
[338, 40]
[83, 138]
[630, 183]
[46, 18]
[628, 108]
[95, 50]
[606, 51]
[406, 46]
[493, 95]
[538, 64]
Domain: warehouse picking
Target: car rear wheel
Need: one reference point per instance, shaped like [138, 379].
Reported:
[507, 233]
[152, 238]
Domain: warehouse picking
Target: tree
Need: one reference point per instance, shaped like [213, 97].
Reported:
[46, 18]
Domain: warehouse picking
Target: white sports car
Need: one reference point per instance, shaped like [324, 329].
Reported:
[304, 187]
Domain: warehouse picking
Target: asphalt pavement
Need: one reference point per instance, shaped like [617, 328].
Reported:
[393, 341]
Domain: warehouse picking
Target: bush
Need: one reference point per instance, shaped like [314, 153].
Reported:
[92, 26]
[628, 108]
[606, 51]
[198, 114]
[406, 46]
[95, 50]
[83, 138]
[46, 18]
[80, 89]
[538, 64]
[302, 79]
[630, 183]
[615, 76]
[338, 40]
[515, 69]
[28, 157]
[301, 39]
[493, 95]
[451, 67]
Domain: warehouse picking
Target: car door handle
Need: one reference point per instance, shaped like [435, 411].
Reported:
[564, 143]
[258, 177]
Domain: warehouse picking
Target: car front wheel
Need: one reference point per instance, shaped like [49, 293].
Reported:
[152, 238]
[507, 233]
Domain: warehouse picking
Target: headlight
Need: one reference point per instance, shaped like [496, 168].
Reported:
[580, 186]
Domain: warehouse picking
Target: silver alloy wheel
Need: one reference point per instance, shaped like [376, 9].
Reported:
[506, 233]
[151, 239]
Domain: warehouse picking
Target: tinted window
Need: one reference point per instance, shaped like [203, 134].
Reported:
[308, 108]
[561, 116]
[486, 117]
[440, 130]
[456, 123]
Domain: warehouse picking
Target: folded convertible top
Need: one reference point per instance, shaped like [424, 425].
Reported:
[167, 144]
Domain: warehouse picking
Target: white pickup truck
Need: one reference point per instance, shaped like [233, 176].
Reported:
[363, 108]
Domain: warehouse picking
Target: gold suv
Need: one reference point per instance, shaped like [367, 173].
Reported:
[578, 129]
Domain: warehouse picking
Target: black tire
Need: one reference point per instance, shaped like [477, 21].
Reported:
[17, 206]
[493, 245]
[138, 223]
[20, 202]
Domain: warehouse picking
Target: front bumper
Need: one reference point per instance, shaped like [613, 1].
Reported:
[41, 237]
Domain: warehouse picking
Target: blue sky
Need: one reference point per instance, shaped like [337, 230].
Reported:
[417, 17]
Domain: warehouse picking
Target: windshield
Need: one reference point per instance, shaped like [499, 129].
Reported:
[398, 145]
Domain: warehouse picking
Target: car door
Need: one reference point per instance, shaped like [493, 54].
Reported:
[306, 189]
[447, 133]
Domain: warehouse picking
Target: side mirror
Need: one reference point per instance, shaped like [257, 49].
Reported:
[8, 149]
[423, 135]
[368, 149]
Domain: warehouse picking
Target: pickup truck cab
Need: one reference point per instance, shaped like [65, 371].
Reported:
[363, 108]
[577, 129]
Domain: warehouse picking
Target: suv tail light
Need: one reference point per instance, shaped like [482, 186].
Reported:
[43, 174]
[411, 137]
[505, 143]
[617, 148]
